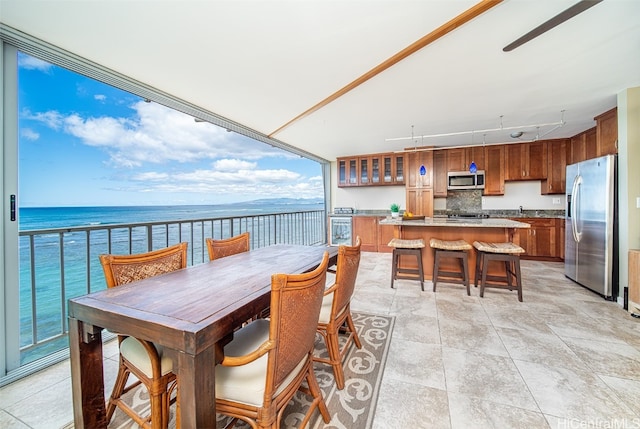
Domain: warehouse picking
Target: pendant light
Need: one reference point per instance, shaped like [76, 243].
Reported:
[472, 167]
[423, 169]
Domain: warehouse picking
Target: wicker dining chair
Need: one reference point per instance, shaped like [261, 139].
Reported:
[227, 246]
[268, 360]
[230, 246]
[335, 314]
[142, 358]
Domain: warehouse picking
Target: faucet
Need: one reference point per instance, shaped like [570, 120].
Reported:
[521, 210]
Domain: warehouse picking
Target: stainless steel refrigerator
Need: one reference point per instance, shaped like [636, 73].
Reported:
[591, 227]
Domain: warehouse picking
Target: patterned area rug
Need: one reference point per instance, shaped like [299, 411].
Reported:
[353, 407]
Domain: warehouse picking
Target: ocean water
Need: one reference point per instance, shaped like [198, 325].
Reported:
[54, 288]
[61, 217]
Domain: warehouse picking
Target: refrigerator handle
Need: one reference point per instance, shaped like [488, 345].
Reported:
[575, 201]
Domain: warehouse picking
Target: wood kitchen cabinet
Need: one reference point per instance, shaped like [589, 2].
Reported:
[373, 236]
[420, 201]
[348, 172]
[526, 161]
[415, 160]
[583, 146]
[385, 234]
[460, 159]
[419, 188]
[366, 227]
[541, 240]
[393, 169]
[555, 183]
[607, 132]
[371, 170]
[440, 173]
[494, 170]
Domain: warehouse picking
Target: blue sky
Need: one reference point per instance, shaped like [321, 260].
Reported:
[84, 143]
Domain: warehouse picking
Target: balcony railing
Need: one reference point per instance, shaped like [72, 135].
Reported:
[62, 263]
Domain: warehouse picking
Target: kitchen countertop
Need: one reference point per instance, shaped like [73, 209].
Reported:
[499, 214]
[455, 222]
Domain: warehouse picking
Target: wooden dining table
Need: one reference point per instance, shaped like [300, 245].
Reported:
[192, 313]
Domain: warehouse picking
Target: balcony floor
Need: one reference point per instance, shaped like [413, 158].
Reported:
[562, 358]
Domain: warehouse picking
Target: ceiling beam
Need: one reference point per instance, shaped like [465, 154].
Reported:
[451, 25]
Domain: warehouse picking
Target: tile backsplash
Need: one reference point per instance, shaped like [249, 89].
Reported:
[464, 201]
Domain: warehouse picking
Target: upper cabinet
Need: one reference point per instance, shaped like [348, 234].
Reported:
[415, 162]
[526, 161]
[460, 159]
[348, 171]
[555, 183]
[607, 132]
[494, 170]
[371, 170]
[393, 169]
[440, 173]
[583, 146]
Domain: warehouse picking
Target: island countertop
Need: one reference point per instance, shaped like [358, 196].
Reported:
[490, 230]
[455, 222]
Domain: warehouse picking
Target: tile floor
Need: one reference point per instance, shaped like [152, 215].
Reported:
[563, 358]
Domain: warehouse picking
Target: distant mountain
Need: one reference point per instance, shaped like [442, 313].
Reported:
[285, 201]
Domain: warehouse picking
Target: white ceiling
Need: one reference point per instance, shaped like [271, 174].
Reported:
[263, 63]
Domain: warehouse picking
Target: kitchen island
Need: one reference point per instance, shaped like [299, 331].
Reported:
[468, 229]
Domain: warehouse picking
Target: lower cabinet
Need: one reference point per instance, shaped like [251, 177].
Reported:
[542, 240]
[385, 234]
[366, 227]
[373, 236]
[420, 201]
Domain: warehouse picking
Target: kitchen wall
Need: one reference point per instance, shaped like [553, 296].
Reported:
[366, 198]
[516, 194]
[628, 178]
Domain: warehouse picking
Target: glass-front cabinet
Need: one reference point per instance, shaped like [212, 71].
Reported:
[348, 172]
[375, 170]
[393, 169]
[371, 170]
[364, 171]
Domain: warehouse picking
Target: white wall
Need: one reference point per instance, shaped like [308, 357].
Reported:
[525, 194]
[370, 198]
[629, 180]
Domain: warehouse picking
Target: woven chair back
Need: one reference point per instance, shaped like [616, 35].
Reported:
[295, 307]
[346, 273]
[228, 246]
[123, 269]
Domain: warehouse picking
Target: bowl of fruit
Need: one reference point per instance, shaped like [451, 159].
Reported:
[407, 215]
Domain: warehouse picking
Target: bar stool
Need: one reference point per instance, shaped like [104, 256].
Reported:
[451, 249]
[407, 247]
[509, 253]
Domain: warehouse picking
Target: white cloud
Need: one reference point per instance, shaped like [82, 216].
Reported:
[174, 150]
[100, 97]
[30, 63]
[233, 165]
[51, 119]
[29, 134]
[151, 176]
[249, 184]
[156, 134]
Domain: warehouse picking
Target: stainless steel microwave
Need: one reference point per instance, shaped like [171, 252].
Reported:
[464, 180]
